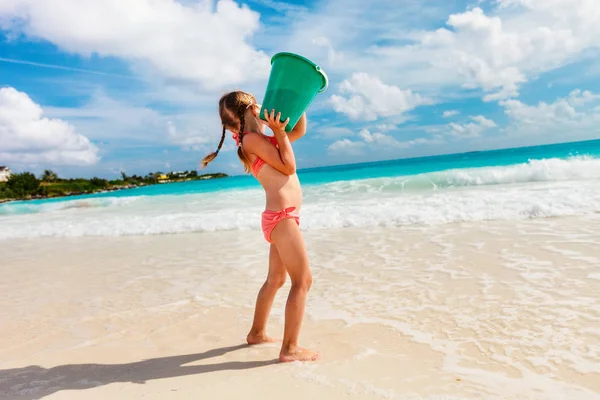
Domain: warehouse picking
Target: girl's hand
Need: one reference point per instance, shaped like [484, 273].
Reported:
[277, 126]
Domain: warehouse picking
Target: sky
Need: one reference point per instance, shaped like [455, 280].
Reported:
[93, 88]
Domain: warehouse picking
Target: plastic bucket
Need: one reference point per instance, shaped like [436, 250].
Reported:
[294, 82]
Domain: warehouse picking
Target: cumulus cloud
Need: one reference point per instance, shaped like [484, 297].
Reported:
[103, 117]
[117, 122]
[385, 127]
[346, 146]
[376, 142]
[381, 139]
[574, 116]
[471, 129]
[368, 98]
[199, 42]
[500, 52]
[483, 121]
[450, 113]
[332, 55]
[27, 137]
[335, 131]
[495, 51]
[189, 139]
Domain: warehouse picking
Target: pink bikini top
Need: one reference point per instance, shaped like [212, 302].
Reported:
[259, 162]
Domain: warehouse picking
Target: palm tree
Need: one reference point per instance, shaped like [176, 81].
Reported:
[49, 176]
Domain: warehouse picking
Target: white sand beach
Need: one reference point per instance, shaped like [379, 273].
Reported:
[488, 310]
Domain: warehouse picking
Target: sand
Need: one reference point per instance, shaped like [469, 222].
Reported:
[492, 310]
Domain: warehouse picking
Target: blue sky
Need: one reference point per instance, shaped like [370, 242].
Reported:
[94, 88]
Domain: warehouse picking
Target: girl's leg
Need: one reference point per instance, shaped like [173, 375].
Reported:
[290, 244]
[266, 296]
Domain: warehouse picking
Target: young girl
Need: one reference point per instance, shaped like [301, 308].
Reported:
[271, 160]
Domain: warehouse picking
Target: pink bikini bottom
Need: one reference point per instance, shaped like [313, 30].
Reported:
[270, 219]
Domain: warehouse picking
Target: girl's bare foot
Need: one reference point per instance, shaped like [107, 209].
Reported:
[299, 354]
[260, 338]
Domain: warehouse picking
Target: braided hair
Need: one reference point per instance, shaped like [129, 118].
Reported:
[232, 110]
[214, 155]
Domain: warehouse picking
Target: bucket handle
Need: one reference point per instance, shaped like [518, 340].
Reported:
[324, 88]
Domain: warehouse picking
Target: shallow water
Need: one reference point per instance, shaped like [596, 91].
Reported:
[494, 310]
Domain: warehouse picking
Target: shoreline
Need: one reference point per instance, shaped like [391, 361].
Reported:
[4, 201]
[114, 189]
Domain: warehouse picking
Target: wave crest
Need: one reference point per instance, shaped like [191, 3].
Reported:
[544, 170]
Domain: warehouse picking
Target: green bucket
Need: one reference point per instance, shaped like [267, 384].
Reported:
[294, 82]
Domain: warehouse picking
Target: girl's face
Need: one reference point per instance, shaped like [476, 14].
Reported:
[253, 119]
[255, 110]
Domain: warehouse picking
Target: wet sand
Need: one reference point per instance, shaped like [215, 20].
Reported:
[494, 310]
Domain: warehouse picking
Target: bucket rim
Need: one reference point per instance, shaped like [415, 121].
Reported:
[285, 53]
[318, 68]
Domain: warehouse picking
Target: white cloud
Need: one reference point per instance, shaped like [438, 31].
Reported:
[451, 113]
[370, 98]
[496, 51]
[483, 121]
[105, 118]
[110, 120]
[386, 127]
[346, 146]
[499, 52]
[282, 6]
[203, 42]
[332, 55]
[29, 138]
[379, 139]
[334, 131]
[191, 138]
[576, 116]
[325, 27]
[471, 129]
[376, 142]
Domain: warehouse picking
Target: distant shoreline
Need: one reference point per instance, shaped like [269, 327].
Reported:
[42, 197]
[114, 188]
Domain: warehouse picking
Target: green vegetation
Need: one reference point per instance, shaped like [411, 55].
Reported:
[20, 185]
[25, 185]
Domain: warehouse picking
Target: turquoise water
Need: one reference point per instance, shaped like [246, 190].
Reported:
[532, 182]
[423, 165]
[382, 169]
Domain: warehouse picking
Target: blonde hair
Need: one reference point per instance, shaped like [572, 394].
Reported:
[232, 110]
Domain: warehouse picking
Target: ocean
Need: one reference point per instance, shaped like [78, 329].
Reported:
[530, 182]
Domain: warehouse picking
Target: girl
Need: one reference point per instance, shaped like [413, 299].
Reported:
[271, 160]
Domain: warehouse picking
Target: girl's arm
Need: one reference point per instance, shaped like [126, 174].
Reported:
[281, 159]
[299, 130]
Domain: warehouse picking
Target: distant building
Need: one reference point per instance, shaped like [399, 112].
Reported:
[4, 174]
